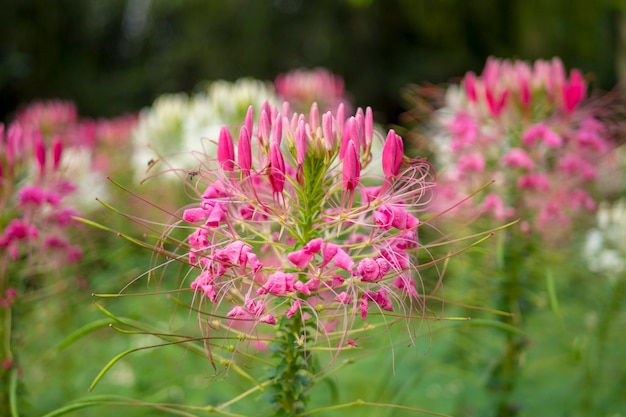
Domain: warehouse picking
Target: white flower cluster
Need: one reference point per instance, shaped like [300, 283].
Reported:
[178, 124]
[605, 246]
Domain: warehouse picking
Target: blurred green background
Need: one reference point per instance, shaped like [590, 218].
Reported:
[116, 56]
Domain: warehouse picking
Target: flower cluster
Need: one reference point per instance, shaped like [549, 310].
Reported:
[301, 88]
[35, 218]
[288, 224]
[47, 157]
[527, 127]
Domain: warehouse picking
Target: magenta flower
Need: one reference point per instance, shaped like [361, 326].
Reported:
[286, 229]
[301, 88]
[528, 128]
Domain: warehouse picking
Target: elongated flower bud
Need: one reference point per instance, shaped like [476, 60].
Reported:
[351, 167]
[264, 129]
[277, 129]
[392, 155]
[249, 120]
[300, 142]
[40, 153]
[244, 150]
[276, 169]
[57, 149]
[369, 127]
[225, 150]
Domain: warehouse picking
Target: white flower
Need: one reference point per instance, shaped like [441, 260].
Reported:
[605, 245]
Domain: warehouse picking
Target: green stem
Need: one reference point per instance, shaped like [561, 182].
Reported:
[7, 397]
[290, 380]
[514, 282]
[312, 194]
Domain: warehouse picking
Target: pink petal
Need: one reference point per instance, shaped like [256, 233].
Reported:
[295, 307]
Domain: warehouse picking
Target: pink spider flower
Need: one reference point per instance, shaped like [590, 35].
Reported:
[299, 228]
[302, 87]
[530, 130]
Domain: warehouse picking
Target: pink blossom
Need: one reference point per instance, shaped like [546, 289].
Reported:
[279, 283]
[518, 158]
[343, 298]
[238, 312]
[295, 307]
[387, 217]
[464, 131]
[300, 258]
[533, 182]
[32, 194]
[194, 215]
[407, 285]
[541, 132]
[369, 270]
[473, 162]
[343, 260]
[268, 319]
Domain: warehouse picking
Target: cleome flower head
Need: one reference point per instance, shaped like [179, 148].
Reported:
[530, 128]
[303, 87]
[289, 225]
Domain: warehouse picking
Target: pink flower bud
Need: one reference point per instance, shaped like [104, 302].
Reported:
[351, 167]
[264, 129]
[330, 139]
[573, 91]
[360, 127]
[249, 119]
[279, 283]
[295, 307]
[341, 118]
[40, 153]
[244, 150]
[57, 149]
[314, 117]
[276, 168]
[369, 126]
[225, 150]
[300, 142]
[277, 129]
[496, 101]
[300, 258]
[14, 138]
[392, 155]
[470, 86]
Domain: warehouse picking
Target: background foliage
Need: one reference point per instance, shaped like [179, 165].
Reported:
[116, 56]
